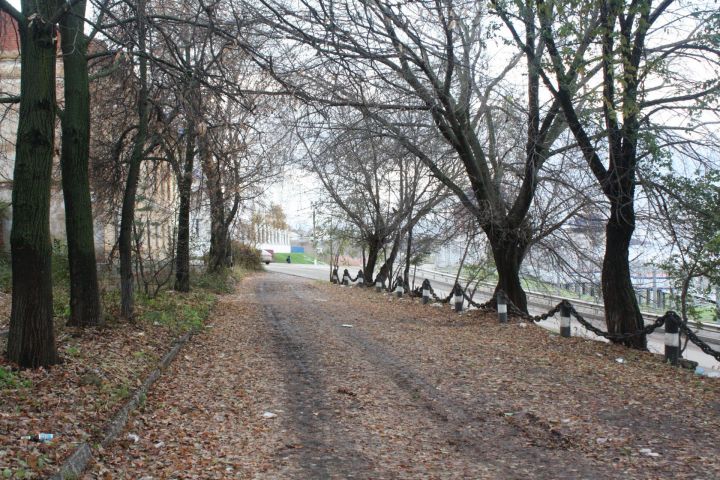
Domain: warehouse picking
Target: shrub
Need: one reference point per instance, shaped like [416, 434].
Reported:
[10, 380]
[245, 256]
[218, 282]
[5, 273]
[179, 311]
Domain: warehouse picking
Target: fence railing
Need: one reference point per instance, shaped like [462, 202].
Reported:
[589, 309]
[671, 321]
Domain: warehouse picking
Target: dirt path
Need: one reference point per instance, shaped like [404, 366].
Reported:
[366, 386]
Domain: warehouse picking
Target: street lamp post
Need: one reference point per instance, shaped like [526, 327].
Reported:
[314, 238]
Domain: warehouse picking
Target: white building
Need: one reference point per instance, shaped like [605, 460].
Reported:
[273, 239]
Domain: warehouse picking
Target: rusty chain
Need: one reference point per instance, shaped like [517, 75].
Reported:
[648, 329]
[697, 341]
[438, 299]
[485, 307]
[515, 311]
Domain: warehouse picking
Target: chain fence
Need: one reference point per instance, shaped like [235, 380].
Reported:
[697, 341]
[514, 310]
[357, 276]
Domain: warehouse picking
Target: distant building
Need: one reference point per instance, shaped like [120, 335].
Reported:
[273, 239]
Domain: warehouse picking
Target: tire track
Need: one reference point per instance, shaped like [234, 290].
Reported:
[310, 410]
[475, 429]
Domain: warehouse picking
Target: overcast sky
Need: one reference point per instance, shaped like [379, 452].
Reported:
[295, 193]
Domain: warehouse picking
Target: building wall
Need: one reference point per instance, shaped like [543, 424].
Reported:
[155, 216]
[276, 240]
[10, 85]
[155, 210]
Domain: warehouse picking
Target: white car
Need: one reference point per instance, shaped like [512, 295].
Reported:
[266, 257]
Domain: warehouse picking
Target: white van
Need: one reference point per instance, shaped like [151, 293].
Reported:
[266, 257]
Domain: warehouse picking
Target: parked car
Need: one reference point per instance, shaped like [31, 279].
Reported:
[266, 256]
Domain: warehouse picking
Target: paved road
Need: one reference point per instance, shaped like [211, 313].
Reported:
[300, 380]
[655, 341]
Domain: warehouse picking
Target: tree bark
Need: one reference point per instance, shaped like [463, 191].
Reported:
[509, 249]
[622, 313]
[31, 340]
[386, 268]
[218, 254]
[127, 217]
[406, 273]
[74, 159]
[372, 256]
[182, 258]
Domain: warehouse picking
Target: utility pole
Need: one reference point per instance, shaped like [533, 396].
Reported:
[314, 237]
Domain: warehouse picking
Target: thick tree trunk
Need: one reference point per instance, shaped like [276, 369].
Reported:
[84, 294]
[386, 268]
[372, 256]
[508, 252]
[31, 340]
[218, 254]
[182, 258]
[622, 313]
[127, 217]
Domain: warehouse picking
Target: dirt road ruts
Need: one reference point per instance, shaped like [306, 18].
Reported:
[301, 380]
[457, 437]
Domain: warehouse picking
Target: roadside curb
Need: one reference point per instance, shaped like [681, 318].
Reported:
[76, 463]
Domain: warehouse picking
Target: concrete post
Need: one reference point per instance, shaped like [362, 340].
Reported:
[565, 320]
[672, 338]
[425, 291]
[502, 306]
[458, 294]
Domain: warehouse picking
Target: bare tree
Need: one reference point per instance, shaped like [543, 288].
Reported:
[429, 57]
[371, 178]
[643, 77]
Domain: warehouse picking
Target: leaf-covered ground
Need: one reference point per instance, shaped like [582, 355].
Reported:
[101, 368]
[295, 379]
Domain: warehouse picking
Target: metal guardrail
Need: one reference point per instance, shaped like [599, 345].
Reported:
[595, 310]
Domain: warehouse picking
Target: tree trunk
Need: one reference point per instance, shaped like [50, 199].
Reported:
[406, 274]
[31, 340]
[84, 294]
[386, 268]
[217, 257]
[127, 217]
[508, 249]
[622, 313]
[372, 256]
[182, 259]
